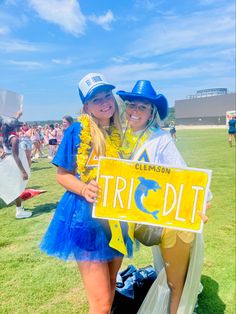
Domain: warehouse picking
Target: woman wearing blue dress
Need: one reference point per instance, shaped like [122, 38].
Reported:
[98, 246]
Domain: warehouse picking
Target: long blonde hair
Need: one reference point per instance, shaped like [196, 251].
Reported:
[98, 133]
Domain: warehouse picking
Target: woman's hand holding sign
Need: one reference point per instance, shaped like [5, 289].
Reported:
[90, 191]
[204, 217]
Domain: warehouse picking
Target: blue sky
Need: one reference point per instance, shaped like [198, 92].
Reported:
[47, 46]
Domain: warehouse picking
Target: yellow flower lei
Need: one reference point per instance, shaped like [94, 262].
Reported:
[113, 143]
[132, 142]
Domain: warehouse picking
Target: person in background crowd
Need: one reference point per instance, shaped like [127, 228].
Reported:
[45, 135]
[11, 147]
[35, 138]
[52, 141]
[59, 132]
[25, 127]
[2, 153]
[232, 130]
[25, 141]
[66, 122]
[41, 138]
[1, 135]
[173, 130]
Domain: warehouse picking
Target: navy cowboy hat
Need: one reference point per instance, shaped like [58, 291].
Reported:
[143, 90]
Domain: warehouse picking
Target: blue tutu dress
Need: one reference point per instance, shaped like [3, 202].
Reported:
[73, 233]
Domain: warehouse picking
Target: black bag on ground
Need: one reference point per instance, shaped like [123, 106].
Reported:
[131, 288]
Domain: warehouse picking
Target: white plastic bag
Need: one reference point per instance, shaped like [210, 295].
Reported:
[158, 291]
[11, 181]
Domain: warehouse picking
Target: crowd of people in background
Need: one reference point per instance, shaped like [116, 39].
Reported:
[36, 141]
[41, 141]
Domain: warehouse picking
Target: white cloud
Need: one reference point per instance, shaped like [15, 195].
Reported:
[16, 46]
[219, 54]
[202, 29]
[128, 72]
[208, 2]
[149, 71]
[62, 61]
[4, 30]
[103, 20]
[147, 4]
[175, 83]
[27, 65]
[10, 22]
[66, 14]
[119, 59]
[164, 75]
[10, 2]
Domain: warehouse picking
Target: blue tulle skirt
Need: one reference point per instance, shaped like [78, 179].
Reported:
[74, 234]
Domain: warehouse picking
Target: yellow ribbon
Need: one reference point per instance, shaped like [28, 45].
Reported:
[117, 240]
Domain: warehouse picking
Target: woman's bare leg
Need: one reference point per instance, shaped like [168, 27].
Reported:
[114, 267]
[230, 137]
[33, 150]
[28, 155]
[176, 261]
[98, 279]
[18, 202]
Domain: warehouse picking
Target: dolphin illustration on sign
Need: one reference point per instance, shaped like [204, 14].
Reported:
[142, 190]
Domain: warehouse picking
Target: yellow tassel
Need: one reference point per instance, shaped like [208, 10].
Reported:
[117, 241]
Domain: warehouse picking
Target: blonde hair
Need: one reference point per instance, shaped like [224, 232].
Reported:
[98, 133]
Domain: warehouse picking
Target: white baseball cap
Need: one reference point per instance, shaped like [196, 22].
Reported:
[91, 84]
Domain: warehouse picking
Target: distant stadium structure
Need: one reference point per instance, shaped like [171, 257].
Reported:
[207, 106]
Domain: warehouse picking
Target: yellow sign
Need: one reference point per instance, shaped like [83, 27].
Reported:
[152, 194]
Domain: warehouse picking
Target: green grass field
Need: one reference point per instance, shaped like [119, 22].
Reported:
[31, 282]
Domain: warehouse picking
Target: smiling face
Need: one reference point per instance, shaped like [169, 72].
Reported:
[101, 106]
[138, 114]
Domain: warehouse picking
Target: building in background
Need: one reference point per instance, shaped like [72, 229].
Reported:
[207, 106]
